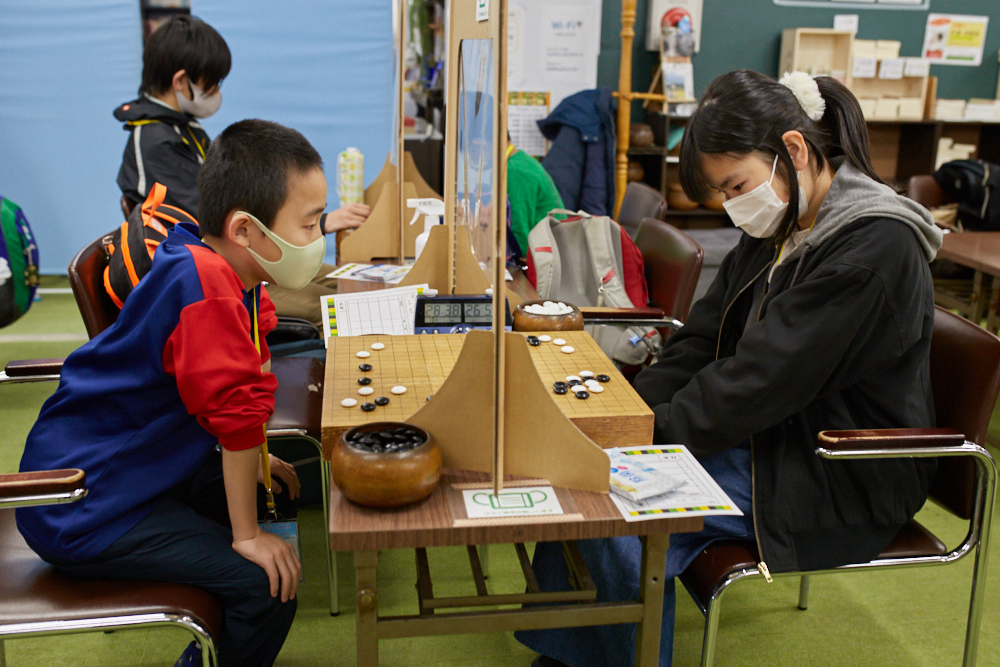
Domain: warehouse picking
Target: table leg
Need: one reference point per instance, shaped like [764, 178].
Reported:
[654, 563]
[991, 314]
[366, 599]
[977, 304]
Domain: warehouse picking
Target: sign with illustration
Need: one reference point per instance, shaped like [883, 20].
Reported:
[512, 501]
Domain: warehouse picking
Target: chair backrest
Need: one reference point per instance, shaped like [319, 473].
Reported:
[640, 201]
[86, 277]
[965, 377]
[673, 264]
[127, 206]
[925, 191]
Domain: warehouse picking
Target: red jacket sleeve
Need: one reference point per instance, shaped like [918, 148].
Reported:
[217, 368]
[268, 320]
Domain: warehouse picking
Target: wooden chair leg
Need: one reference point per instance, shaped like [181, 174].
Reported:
[804, 592]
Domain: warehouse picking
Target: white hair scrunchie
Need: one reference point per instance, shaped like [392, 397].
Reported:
[806, 91]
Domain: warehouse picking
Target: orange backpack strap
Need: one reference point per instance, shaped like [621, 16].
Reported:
[153, 201]
[110, 290]
[127, 257]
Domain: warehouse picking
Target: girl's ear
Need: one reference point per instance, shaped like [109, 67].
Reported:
[236, 228]
[797, 148]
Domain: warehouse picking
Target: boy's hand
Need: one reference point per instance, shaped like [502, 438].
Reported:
[278, 559]
[348, 216]
[283, 471]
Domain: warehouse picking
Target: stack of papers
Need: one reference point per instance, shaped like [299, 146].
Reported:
[389, 312]
[699, 495]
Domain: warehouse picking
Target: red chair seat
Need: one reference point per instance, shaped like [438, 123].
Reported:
[32, 591]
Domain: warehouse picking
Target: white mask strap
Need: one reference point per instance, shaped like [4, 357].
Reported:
[773, 167]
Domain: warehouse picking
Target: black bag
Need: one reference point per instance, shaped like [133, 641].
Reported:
[975, 185]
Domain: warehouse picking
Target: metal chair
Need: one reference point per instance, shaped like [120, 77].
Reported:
[37, 599]
[965, 376]
[298, 401]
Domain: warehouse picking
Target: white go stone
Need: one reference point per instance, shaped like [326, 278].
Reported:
[364, 391]
[378, 346]
[592, 383]
[579, 387]
[587, 374]
[363, 355]
[398, 389]
[570, 378]
[568, 349]
[596, 389]
[544, 338]
[558, 341]
[348, 402]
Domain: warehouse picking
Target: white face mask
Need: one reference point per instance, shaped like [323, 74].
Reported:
[760, 211]
[298, 264]
[201, 106]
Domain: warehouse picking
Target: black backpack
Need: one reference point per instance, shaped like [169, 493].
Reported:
[974, 184]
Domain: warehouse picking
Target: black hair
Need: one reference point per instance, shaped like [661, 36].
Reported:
[184, 43]
[745, 111]
[247, 167]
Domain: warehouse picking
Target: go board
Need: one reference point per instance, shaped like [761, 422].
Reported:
[422, 363]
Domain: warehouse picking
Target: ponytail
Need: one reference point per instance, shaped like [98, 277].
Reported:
[744, 111]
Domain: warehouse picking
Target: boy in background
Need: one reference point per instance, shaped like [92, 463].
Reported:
[141, 407]
[532, 194]
[183, 65]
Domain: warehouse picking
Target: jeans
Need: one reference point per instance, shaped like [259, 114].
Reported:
[614, 565]
[178, 543]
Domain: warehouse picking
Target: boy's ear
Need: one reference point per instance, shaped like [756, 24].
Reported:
[179, 84]
[236, 228]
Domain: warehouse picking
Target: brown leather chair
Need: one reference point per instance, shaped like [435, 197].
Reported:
[640, 201]
[673, 265]
[925, 190]
[965, 377]
[37, 599]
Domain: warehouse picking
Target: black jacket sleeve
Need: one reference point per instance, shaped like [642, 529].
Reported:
[783, 361]
[689, 349]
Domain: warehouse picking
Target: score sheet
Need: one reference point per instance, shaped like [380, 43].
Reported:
[698, 496]
[387, 311]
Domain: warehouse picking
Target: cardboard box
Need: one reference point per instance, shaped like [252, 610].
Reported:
[864, 48]
[887, 108]
[868, 105]
[886, 49]
[911, 108]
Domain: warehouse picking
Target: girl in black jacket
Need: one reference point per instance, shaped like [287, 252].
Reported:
[819, 319]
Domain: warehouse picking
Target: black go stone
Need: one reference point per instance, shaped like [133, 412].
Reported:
[579, 394]
[364, 368]
[534, 341]
[603, 378]
[560, 390]
[367, 407]
[364, 380]
[381, 400]
[573, 383]
[560, 383]
[387, 441]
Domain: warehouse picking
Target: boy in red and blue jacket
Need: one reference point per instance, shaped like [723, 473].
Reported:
[142, 406]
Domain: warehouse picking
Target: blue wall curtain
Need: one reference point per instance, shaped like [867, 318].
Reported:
[324, 68]
[64, 66]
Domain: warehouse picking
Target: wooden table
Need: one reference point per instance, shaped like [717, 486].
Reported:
[441, 521]
[979, 251]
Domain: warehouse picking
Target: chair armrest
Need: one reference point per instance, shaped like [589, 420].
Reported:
[890, 443]
[33, 367]
[45, 487]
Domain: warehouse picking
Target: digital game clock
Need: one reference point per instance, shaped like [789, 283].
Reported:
[456, 314]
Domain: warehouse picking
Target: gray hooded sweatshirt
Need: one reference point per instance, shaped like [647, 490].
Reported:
[839, 339]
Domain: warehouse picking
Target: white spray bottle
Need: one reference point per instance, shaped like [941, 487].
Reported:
[433, 211]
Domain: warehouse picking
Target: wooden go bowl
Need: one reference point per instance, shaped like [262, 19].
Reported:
[525, 321]
[386, 479]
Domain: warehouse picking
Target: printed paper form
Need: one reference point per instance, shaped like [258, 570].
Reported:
[698, 496]
[388, 311]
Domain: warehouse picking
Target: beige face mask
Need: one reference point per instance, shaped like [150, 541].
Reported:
[298, 264]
